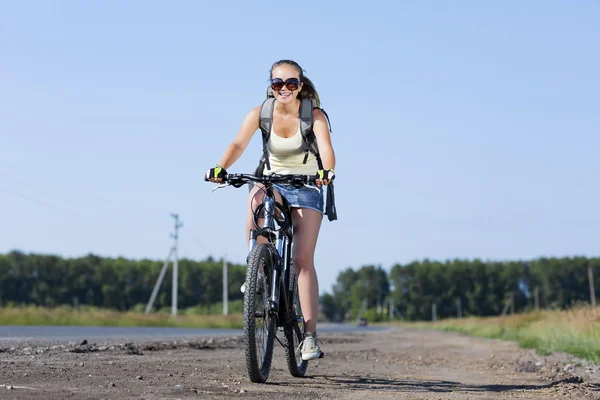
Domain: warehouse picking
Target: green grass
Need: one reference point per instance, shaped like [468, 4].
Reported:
[88, 316]
[576, 331]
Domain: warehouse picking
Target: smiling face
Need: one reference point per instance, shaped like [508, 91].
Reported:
[285, 72]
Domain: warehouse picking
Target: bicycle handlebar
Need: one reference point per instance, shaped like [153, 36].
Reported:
[238, 180]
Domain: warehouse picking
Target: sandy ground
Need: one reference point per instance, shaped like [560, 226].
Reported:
[407, 364]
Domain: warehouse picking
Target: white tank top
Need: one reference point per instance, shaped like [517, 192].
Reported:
[286, 155]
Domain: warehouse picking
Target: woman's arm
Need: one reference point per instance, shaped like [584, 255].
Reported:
[240, 142]
[321, 130]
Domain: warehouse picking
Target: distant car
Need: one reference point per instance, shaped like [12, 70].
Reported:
[362, 321]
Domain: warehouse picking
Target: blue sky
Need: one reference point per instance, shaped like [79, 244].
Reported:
[462, 129]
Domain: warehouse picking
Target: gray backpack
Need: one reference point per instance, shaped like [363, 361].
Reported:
[310, 143]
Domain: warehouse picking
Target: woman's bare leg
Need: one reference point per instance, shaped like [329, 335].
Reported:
[307, 223]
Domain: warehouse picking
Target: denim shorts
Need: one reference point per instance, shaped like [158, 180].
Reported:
[305, 197]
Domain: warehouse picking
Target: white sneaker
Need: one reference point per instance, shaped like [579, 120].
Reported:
[310, 348]
[243, 288]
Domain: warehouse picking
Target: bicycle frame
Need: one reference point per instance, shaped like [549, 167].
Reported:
[280, 308]
[282, 239]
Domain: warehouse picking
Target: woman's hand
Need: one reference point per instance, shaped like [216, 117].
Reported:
[215, 174]
[324, 177]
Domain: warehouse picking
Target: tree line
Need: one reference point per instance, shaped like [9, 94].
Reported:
[460, 288]
[115, 283]
[471, 287]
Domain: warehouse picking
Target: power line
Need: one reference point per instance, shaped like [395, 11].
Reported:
[36, 200]
[59, 191]
[43, 191]
[55, 185]
[69, 202]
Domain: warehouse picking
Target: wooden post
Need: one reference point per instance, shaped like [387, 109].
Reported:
[536, 298]
[592, 291]
[225, 288]
[433, 312]
[458, 308]
[512, 303]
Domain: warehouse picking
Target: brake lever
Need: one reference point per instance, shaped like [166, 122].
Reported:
[221, 186]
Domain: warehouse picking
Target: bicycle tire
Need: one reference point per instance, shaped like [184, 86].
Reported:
[258, 289]
[293, 333]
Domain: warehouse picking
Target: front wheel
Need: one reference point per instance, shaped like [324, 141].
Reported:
[294, 332]
[259, 326]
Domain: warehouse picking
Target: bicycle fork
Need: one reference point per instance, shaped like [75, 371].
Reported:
[283, 248]
[280, 263]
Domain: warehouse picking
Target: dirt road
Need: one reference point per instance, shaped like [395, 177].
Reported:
[407, 364]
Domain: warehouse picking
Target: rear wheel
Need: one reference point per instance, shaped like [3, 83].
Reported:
[259, 326]
[294, 333]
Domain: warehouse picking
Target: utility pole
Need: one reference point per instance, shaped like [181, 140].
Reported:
[592, 291]
[175, 236]
[161, 276]
[225, 288]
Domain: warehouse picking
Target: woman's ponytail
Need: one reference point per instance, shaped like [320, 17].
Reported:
[308, 90]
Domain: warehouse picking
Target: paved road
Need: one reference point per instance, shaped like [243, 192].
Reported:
[99, 333]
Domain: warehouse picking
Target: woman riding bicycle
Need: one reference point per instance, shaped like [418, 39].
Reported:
[286, 156]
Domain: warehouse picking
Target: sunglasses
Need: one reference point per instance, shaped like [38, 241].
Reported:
[291, 83]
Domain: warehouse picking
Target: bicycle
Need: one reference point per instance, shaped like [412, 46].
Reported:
[271, 300]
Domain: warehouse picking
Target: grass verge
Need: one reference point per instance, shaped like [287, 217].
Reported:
[87, 316]
[575, 331]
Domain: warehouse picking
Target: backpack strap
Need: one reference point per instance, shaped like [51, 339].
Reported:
[327, 117]
[266, 122]
[310, 144]
[330, 209]
[306, 128]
